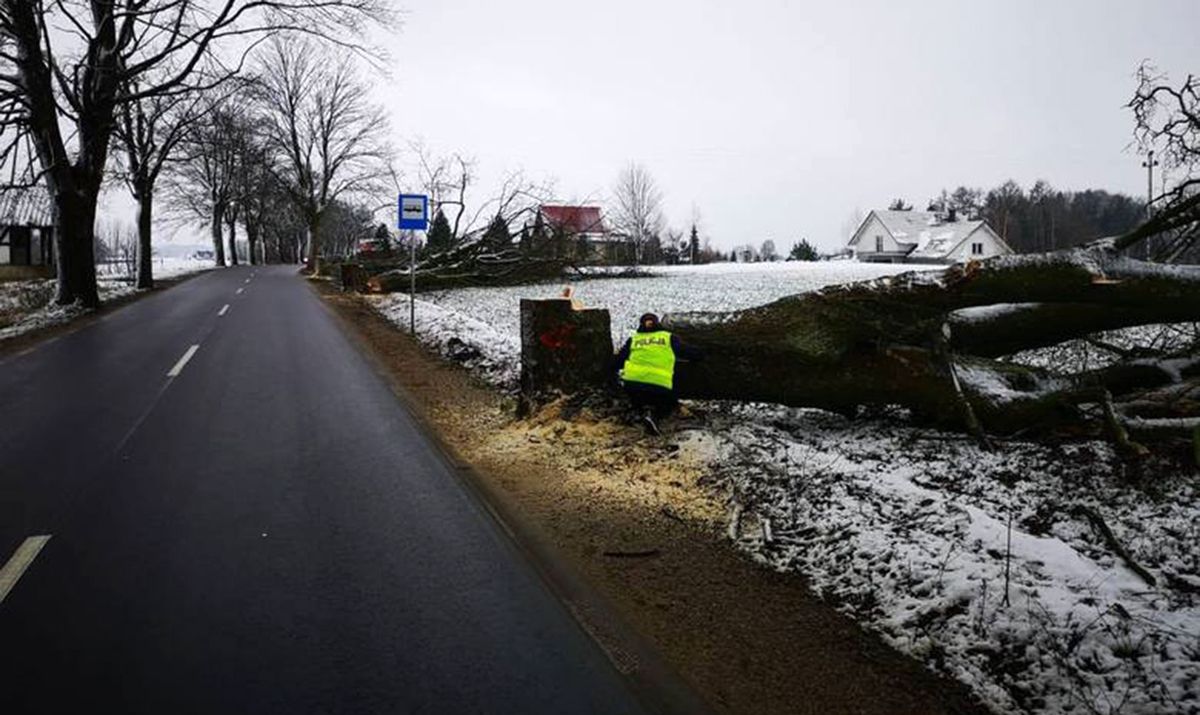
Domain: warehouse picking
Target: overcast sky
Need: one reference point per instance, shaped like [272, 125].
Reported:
[780, 119]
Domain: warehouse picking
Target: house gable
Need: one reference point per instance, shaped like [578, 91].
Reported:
[866, 239]
[989, 242]
[924, 237]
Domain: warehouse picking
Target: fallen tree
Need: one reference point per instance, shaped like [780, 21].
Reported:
[471, 264]
[932, 342]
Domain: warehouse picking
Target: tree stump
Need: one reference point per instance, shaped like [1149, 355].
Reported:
[564, 349]
[352, 276]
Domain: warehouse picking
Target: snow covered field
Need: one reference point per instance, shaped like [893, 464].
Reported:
[163, 267]
[992, 567]
[717, 286]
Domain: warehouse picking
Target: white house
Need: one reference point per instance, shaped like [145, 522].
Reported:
[924, 237]
[744, 254]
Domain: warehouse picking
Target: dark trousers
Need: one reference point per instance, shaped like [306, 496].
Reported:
[659, 400]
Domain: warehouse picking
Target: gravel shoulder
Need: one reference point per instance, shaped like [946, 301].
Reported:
[628, 513]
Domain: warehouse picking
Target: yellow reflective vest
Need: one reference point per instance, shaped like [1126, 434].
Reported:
[651, 360]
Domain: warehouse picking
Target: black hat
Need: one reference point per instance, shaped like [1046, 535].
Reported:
[648, 318]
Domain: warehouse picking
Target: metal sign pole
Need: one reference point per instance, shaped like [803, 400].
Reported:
[412, 283]
[412, 214]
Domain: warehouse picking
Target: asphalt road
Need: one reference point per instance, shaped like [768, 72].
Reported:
[264, 530]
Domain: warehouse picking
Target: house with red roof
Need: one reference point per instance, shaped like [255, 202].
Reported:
[585, 221]
[583, 233]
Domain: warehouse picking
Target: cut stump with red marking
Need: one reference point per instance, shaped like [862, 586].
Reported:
[565, 349]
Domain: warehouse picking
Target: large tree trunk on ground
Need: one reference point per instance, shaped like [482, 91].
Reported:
[145, 267]
[472, 264]
[925, 340]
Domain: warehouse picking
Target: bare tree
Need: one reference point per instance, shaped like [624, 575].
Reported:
[515, 203]
[636, 208]
[67, 69]
[767, 252]
[1167, 120]
[202, 185]
[330, 138]
[149, 130]
[445, 180]
[259, 196]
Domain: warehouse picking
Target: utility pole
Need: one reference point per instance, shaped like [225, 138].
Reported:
[1149, 163]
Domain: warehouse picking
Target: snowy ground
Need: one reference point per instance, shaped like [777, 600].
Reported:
[28, 305]
[717, 286]
[163, 267]
[909, 529]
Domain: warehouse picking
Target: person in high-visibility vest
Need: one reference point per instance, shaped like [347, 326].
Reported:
[646, 365]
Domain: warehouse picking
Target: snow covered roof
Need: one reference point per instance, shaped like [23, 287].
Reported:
[26, 207]
[924, 233]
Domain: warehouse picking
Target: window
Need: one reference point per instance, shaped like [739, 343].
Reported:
[976, 249]
[879, 244]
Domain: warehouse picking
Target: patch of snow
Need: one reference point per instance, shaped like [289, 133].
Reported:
[162, 267]
[1080, 355]
[908, 530]
[26, 306]
[494, 355]
[983, 313]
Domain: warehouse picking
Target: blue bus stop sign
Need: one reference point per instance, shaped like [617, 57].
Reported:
[413, 212]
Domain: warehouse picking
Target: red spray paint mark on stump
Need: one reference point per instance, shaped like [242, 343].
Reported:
[559, 337]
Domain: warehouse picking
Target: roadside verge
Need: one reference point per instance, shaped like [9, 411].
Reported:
[628, 516]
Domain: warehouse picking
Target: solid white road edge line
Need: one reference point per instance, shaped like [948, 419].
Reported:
[224, 310]
[21, 558]
[174, 372]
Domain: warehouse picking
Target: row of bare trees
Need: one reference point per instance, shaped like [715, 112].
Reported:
[78, 79]
[288, 154]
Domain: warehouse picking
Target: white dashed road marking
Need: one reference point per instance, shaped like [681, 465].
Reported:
[224, 310]
[21, 558]
[174, 372]
[239, 290]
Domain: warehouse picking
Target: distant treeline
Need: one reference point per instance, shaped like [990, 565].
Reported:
[1044, 218]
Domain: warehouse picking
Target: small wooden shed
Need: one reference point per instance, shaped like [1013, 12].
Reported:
[26, 228]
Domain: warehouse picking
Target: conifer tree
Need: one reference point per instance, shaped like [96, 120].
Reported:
[802, 250]
[440, 237]
[497, 234]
